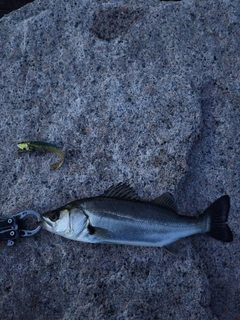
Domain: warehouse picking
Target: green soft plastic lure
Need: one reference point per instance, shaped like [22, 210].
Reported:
[45, 146]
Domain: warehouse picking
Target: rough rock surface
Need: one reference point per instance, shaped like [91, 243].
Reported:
[145, 92]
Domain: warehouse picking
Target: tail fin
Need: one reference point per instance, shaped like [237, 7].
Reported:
[218, 213]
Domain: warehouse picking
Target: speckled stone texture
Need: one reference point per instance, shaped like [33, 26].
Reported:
[145, 92]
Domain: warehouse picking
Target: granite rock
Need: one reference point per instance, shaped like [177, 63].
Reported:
[145, 92]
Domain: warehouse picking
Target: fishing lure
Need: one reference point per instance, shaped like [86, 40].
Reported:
[45, 146]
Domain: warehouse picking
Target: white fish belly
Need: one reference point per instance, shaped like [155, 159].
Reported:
[132, 229]
[147, 235]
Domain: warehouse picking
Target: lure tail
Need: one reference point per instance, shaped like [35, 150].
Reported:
[218, 213]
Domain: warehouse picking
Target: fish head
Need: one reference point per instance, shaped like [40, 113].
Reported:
[66, 221]
[56, 221]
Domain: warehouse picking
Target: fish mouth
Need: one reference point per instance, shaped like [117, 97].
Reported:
[45, 223]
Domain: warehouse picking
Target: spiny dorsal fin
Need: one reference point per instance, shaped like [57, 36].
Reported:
[166, 200]
[121, 191]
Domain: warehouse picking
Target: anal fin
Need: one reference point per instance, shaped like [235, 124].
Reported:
[173, 248]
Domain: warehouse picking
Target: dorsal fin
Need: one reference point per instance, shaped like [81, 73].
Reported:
[166, 200]
[120, 191]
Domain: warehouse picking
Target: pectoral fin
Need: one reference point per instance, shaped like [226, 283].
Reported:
[99, 233]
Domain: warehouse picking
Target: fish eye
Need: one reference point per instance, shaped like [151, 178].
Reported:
[54, 216]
